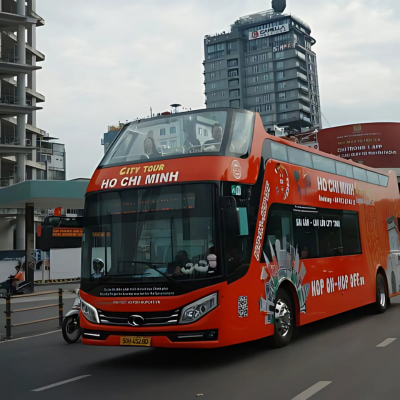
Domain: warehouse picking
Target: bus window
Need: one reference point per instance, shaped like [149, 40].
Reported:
[299, 157]
[324, 164]
[329, 235]
[242, 133]
[373, 177]
[360, 174]
[351, 233]
[173, 135]
[383, 180]
[344, 169]
[279, 151]
[305, 234]
[279, 231]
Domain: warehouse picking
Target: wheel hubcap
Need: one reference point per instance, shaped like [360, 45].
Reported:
[283, 318]
[381, 295]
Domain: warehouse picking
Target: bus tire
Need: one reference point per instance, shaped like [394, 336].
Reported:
[283, 319]
[382, 298]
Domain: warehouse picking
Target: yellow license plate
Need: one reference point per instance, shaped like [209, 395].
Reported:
[135, 341]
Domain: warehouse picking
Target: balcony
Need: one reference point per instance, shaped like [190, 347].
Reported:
[304, 108]
[4, 182]
[39, 56]
[10, 145]
[302, 76]
[304, 88]
[9, 106]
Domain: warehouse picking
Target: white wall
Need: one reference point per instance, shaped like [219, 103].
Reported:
[65, 263]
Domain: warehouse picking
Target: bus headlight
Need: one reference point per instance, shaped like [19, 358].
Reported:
[89, 312]
[198, 309]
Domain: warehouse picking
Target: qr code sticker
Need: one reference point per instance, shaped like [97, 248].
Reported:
[242, 306]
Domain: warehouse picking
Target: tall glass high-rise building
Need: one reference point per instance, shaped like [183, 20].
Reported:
[265, 64]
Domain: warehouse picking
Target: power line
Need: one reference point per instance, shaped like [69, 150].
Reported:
[326, 120]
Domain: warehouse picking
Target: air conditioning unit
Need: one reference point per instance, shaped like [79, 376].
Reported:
[28, 142]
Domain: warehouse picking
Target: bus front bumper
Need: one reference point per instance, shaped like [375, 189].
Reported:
[182, 339]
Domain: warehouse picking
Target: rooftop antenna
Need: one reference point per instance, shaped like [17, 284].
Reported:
[279, 6]
[175, 107]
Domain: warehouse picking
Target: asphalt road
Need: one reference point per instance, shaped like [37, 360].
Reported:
[337, 358]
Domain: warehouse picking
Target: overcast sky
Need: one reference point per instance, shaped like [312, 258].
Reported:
[110, 61]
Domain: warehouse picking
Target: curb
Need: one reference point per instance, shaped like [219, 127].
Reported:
[58, 281]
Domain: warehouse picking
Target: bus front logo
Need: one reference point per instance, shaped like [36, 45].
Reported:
[135, 320]
[236, 169]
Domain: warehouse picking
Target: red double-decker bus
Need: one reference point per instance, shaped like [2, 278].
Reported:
[201, 230]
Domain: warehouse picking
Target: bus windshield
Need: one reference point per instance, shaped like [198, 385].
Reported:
[171, 135]
[185, 134]
[147, 235]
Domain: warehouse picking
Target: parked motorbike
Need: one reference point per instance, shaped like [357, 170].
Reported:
[71, 329]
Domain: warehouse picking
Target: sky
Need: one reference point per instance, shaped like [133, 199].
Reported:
[110, 61]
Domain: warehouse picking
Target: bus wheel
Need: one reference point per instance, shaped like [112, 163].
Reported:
[284, 319]
[381, 295]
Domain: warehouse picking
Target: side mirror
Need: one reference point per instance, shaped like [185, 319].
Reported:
[230, 215]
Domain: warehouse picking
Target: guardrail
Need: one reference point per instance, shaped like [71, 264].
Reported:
[9, 312]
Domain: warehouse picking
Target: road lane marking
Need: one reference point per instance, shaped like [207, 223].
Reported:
[386, 342]
[28, 337]
[60, 383]
[312, 390]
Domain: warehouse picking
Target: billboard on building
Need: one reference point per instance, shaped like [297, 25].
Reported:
[374, 144]
[273, 30]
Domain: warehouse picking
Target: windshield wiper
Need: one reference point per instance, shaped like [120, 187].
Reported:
[161, 273]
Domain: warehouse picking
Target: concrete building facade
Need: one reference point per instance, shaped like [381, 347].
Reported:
[26, 151]
[265, 64]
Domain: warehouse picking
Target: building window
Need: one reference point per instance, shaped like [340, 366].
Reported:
[282, 95]
[173, 144]
[266, 77]
[267, 87]
[234, 93]
[279, 54]
[268, 118]
[235, 103]
[200, 132]
[262, 57]
[232, 73]
[266, 98]
[280, 64]
[172, 130]
[264, 67]
[283, 106]
[233, 82]
[254, 69]
[232, 47]
[256, 88]
[213, 85]
[164, 143]
[212, 75]
[222, 93]
[205, 132]
[212, 66]
[162, 131]
[283, 117]
[268, 107]
[246, 60]
[281, 85]
[280, 74]
[232, 63]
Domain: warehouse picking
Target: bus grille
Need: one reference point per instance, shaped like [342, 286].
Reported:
[138, 319]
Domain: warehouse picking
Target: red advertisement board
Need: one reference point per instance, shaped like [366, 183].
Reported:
[374, 144]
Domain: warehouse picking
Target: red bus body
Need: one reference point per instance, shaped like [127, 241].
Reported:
[323, 286]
